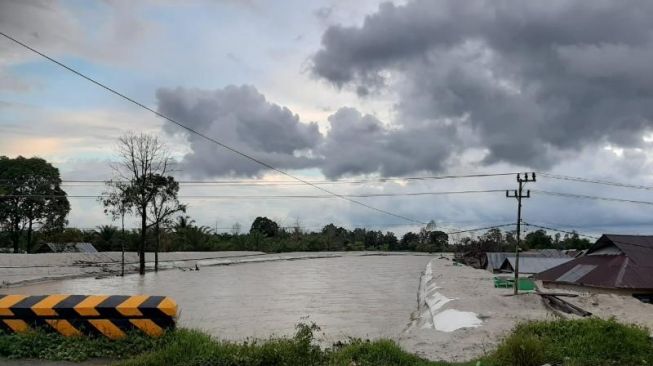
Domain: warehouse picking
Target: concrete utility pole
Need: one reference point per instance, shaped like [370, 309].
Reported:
[518, 194]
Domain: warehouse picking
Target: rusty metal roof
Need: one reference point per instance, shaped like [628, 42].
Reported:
[630, 268]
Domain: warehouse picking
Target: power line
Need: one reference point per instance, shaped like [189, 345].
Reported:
[251, 182]
[595, 181]
[361, 195]
[588, 236]
[479, 229]
[210, 139]
[560, 230]
[583, 196]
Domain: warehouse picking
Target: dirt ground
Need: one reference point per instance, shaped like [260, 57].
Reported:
[471, 291]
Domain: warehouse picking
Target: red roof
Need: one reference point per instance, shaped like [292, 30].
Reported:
[631, 267]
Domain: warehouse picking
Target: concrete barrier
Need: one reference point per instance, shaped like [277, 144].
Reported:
[75, 315]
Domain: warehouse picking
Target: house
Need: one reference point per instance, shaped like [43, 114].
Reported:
[493, 261]
[615, 263]
[530, 265]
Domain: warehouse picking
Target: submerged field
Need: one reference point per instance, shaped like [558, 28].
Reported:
[428, 306]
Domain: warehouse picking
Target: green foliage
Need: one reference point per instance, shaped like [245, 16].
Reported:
[562, 342]
[264, 226]
[192, 348]
[526, 350]
[372, 353]
[52, 346]
[30, 195]
[580, 343]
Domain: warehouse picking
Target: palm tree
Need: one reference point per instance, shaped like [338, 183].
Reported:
[190, 236]
[106, 235]
[183, 222]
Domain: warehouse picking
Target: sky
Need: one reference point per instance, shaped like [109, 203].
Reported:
[335, 90]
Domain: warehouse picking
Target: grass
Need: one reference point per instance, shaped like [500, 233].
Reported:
[587, 342]
[564, 342]
[52, 346]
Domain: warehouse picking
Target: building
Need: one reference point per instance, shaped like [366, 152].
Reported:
[493, 261]
[615, 263]
[530, 265]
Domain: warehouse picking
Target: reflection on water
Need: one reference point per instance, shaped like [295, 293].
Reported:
[369, 296]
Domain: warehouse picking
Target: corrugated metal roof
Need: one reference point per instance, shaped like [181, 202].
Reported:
[72, 247]
[632, 269]
[577, 272]
[533, 265]
[494, 260]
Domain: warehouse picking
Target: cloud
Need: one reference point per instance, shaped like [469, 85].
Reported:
[244, 119]
[530, 80]
[60, 30]
[361, 144]
[355, 144]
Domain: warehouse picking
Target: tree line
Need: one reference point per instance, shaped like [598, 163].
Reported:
[34, 207]
[264, 234]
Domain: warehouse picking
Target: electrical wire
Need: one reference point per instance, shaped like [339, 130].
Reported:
[588, 236]
[594, 181]
[583, 196]
[479, 229]
[208, 138]
[260, 197]
[251, 182]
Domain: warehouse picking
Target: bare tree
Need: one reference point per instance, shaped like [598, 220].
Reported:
[163, 206]
[143, 158]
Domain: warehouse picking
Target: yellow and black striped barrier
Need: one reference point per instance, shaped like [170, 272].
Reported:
[74, 315]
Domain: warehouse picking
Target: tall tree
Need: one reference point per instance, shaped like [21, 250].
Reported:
[264, 226]
[143, 158]
[30, 195]
[163, 206]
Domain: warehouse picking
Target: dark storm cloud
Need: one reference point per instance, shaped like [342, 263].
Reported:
[360, 144]
[531, 79]
[244, 119]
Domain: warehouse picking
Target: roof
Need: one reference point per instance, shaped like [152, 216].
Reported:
[533, 264]
[548, 253]
[629, 267]
[494, 260]
[72, 247]
[638, 248]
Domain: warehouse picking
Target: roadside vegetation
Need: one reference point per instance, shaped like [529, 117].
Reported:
[563, 342]
[265, 235]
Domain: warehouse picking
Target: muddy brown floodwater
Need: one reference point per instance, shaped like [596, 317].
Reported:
[359, 296]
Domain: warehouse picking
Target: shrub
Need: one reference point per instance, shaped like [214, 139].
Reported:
[522, 350]
[582, 342]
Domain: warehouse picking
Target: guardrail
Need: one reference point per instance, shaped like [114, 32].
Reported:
[76, 315]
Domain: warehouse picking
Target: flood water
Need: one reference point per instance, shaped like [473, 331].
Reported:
[359, 296]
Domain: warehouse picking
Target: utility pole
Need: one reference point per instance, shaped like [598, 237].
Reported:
[519, 194]
[122, 239]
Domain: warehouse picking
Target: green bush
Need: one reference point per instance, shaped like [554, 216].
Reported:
[583, 342]
[525, 350]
